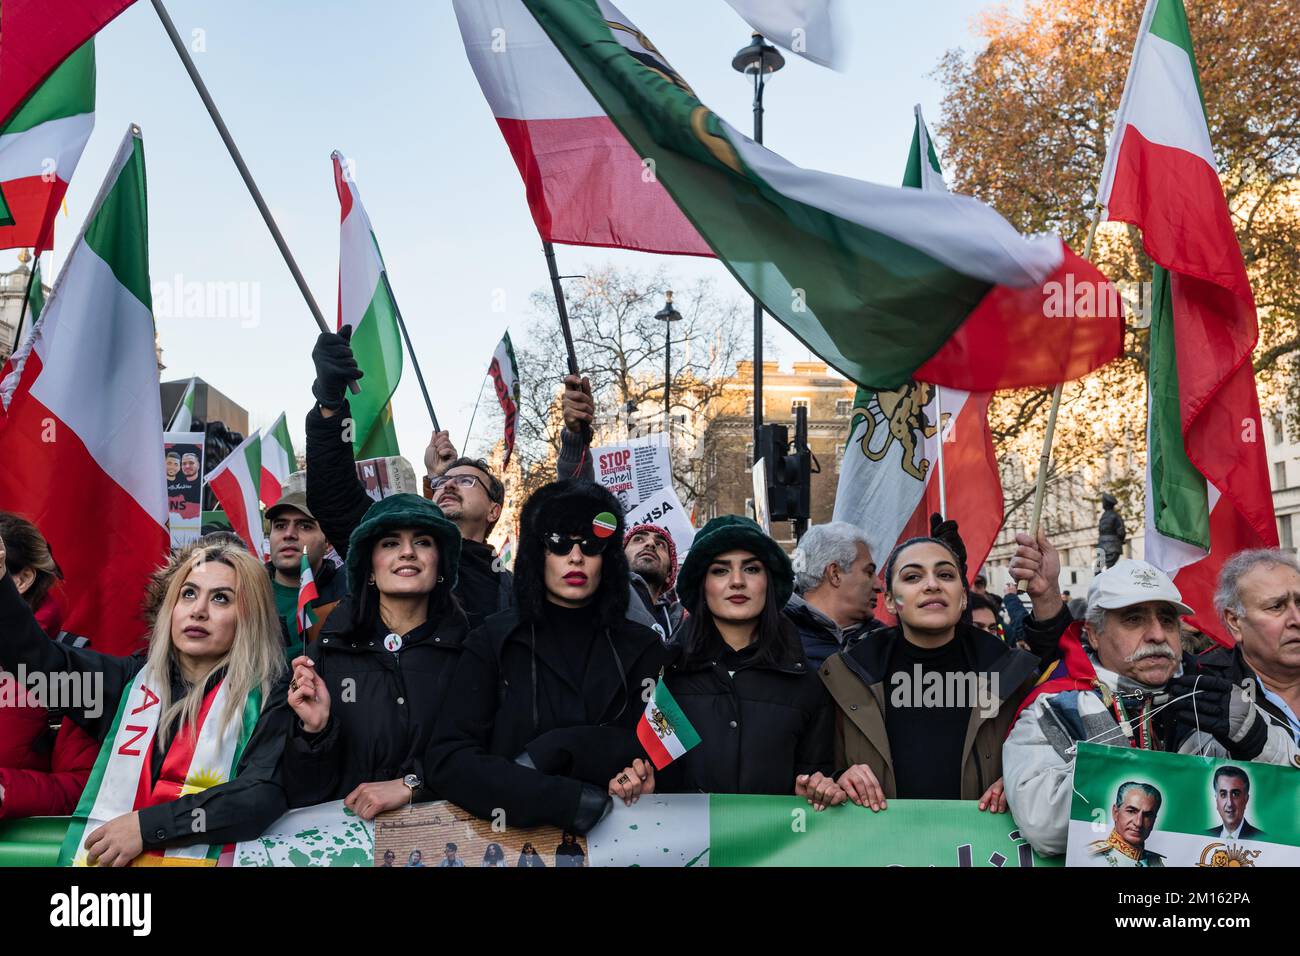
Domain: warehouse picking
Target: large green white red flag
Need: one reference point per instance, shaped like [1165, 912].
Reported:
[505, 379]
[885, 284]
[890, 475]
[277, 461]
[1208, 492]
[81, 442]
[38, 36]
[236, 483]
[40, 148]
[365, 304]
[585, 184]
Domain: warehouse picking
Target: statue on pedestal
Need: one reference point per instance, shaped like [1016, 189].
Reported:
[1110, 531]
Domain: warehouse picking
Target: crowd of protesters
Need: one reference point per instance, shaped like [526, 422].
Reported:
[433, 673]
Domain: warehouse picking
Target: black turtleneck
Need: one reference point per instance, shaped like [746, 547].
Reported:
[926, 736]
[572, 632]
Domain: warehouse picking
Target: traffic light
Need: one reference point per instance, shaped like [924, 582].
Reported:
[789, 473]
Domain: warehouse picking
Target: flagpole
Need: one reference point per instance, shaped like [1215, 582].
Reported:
[1103, 196]
[1045, 460]
[238, 159]
[469, 432]
[562, 307]
[943, 490]
[410, 349]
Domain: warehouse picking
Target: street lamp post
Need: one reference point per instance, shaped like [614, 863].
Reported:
[668, 315]
[758, 59]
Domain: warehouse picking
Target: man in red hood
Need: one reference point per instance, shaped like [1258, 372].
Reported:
[652, 560]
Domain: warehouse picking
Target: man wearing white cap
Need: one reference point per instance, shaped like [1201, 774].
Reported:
[1117, 667]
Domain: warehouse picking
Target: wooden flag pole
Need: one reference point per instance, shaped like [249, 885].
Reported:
[253, 191]
[1045, 461]
[943, 490]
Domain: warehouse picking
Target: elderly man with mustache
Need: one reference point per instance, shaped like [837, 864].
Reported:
[1118, 667]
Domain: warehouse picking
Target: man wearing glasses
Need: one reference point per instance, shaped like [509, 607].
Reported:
[471, 496]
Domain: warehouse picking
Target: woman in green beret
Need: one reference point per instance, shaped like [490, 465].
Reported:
[763, 717]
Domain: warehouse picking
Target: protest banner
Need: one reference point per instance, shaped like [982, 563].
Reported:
[327, 834]
[639, 473]
[679, 830]
[1181, 810]
[443, 835]
[183, 458]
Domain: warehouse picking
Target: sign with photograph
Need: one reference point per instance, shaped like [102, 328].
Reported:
[1139, 808]
[443, 835]
[387, 476]
[639, 473]
[183, 459]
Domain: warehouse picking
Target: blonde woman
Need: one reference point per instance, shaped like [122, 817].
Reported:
[191, 729]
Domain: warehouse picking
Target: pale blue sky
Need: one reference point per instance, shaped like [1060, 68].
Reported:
[389, 85]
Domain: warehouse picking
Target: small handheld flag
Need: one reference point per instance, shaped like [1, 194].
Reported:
[663, 730]
[306, 594]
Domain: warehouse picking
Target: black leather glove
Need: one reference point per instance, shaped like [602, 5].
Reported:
[593, 804]
[946, 531]
[336, 366]
[1224, 709]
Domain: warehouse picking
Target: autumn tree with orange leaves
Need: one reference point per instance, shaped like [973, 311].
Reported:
[1025, 127]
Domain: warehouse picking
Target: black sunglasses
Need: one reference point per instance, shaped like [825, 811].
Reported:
[562, 544]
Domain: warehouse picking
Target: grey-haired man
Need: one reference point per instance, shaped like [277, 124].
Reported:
[1119, 667]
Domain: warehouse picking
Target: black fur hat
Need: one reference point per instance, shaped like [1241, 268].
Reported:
[570, 507]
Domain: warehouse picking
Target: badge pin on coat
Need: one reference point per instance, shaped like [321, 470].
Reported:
[393, 642]
[604, 524]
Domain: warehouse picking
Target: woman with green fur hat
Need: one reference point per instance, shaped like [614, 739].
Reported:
[762, 715]
[367, 692]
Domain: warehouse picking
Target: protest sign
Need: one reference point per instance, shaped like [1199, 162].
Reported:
[183, 459]
[1180, 810]
[639, 473]
[387, 476]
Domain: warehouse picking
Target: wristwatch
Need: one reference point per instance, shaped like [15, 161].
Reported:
[413, 783]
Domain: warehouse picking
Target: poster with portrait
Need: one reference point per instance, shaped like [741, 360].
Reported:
[444, 836]
[1138, 808]
[183, 460]
[639, 473]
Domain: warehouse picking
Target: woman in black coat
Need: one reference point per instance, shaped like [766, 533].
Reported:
[548, 693]
[763, 717]
[368, 691]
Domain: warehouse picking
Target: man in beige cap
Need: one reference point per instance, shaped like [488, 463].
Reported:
[1117, 667]
[293, 530]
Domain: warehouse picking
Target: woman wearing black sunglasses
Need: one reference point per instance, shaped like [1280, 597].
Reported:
[548, 693]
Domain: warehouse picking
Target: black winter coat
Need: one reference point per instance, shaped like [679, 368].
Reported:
[509, 700]
[240, 809]
[758, 729]
[339, 501]
[383, 707]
